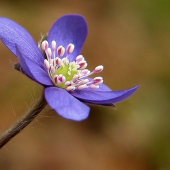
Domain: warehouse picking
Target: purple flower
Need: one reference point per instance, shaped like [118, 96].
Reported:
[57, 65]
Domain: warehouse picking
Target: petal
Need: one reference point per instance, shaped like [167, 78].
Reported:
[69, 29]
[104, 97]
[65, 104]
[12, 33]
[33, 70]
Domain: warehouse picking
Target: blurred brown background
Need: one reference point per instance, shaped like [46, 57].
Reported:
[131, 39]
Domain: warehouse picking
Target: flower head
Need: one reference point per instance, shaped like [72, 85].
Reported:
[56, 63]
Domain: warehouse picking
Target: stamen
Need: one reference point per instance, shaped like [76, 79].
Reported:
[85, 72]
[65, 60]
[53, 45]
[49, 53]
[67, 83]
[56, 79]
[52, 69]
[60, 51]
[82, 64]
[98, 69]
[85, 81]
[44, 45]
[79, 58]
[61, 78]
[58, 62]
[75, 77]
[70, 48]
[70, 88]
[92, 86]
[98, 80]
[46, 63]
[82, 87]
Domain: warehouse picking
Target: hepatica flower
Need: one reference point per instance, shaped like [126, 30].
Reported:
[56, 64]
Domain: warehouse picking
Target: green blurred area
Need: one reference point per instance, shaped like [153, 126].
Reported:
[131, 39]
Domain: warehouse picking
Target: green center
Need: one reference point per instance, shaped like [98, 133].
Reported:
[69, 71]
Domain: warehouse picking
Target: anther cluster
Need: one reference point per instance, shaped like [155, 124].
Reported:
[69, 75]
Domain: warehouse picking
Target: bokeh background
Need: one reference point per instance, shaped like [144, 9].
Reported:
[131, 39]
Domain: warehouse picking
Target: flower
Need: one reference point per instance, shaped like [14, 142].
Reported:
[57, 65]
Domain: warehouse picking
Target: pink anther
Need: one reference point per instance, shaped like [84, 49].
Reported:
[60, 51]
[98, 80]
[85, 72]
[56, 79]
[52, 69]
[49, 53]
[70, 88]
[58, 62]
[67, 83]
[53, 45]
[75, 77]
[83, 65]
[44, 45]
[79, 58]
[81, 87]
[46, 63]
[98, 69]
[92, 86]
[84, 81]
[70, 48]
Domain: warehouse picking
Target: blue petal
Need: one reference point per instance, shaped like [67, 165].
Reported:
[69, 29]
[11, 33]
[33, 70]
[65, 104]
[104, 97]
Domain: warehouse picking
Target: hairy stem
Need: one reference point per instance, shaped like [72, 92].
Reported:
[23, 121]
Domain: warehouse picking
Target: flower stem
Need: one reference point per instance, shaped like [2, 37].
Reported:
[23, 121]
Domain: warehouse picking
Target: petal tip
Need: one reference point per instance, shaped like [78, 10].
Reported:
[81, 118]
[134, 89]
